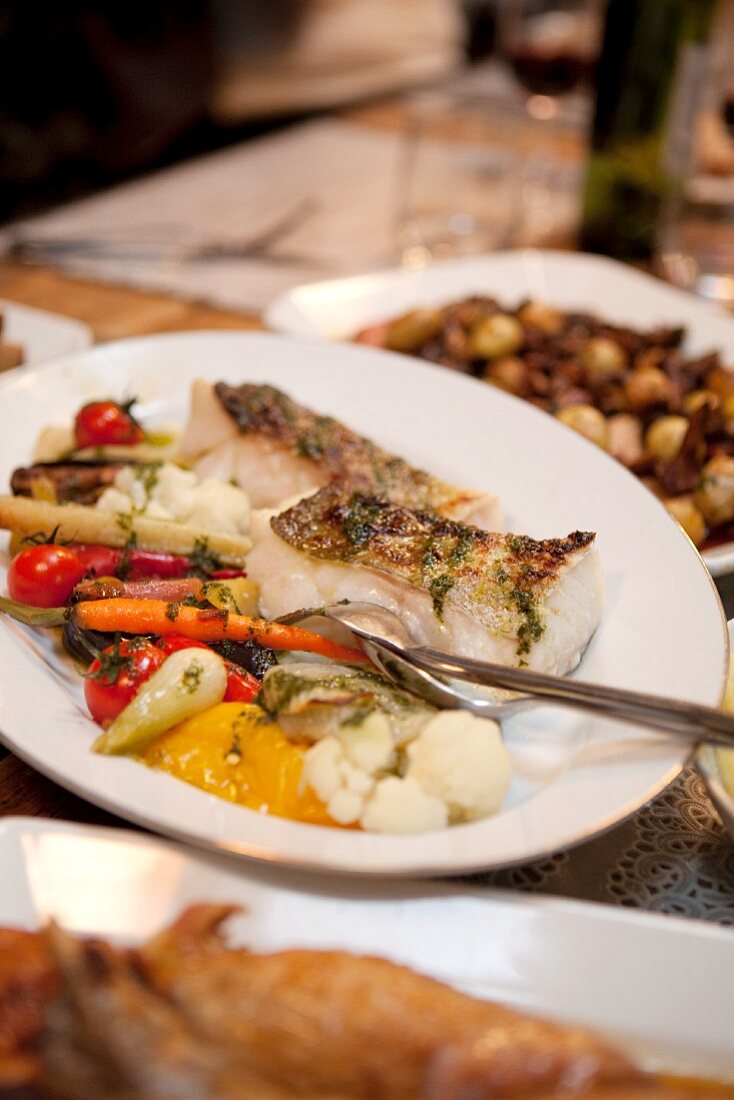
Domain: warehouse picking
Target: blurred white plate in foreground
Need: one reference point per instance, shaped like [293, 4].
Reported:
[651, 983]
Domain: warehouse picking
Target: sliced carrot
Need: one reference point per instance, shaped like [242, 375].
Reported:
[141, 616]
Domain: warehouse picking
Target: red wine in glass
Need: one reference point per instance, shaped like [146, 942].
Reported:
[551, 71]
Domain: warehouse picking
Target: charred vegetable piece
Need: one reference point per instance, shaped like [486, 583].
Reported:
[84, 645]
[250, 656]
[106, 588]
[81, 482]
[186, 684]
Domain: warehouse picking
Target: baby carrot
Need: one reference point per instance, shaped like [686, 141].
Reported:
[141, 616]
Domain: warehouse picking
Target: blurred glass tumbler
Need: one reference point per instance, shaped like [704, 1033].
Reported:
[696, 239]
[457, 188]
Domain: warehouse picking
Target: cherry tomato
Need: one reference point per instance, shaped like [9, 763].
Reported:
[44, 575]
[111, 683]
[106, 423]
[242, 686]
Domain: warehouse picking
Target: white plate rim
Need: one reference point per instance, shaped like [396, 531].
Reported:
[285, 313]
[385, 867]
[14, 824]
[708, 765]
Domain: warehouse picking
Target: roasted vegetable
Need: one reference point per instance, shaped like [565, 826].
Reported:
[187, 683]
[159, 617]
[77, 523]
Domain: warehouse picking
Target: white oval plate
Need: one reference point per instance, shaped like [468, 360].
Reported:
[336, 309]
[42, 335]
[663, 629]
[630, 975]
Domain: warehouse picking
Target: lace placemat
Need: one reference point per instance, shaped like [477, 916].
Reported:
[673, 856]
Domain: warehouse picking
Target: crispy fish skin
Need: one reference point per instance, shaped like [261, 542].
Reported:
[498, 581]
[341, 455]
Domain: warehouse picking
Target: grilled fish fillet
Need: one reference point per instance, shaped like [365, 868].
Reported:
[277, 449]
[504, 598]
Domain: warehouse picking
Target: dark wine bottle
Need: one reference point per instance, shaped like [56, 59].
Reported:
[648, 80]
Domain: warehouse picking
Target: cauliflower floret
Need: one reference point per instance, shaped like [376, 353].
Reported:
[173, 489]
[460, 759]
[369, 745]
[114, 500]
[127, 482]
[341, 768]
[341, 786]
[220, 507]
[165, 491]
[154, 510]
[402, 806]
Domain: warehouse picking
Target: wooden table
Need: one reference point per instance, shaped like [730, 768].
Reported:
[111, 312]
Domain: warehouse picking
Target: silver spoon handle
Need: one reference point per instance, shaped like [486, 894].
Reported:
[690, 720]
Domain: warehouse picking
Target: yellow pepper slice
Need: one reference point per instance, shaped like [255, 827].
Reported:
[235, 751]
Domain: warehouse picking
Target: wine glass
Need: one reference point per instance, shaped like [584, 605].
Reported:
[551, 50]
[457, 181]
[695, 239]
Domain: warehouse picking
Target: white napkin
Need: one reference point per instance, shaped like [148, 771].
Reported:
[347, 170]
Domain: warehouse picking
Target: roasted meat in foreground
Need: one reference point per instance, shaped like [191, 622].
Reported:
[505, 598]
[28, 982]
[186, 1017]
[277, 449]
